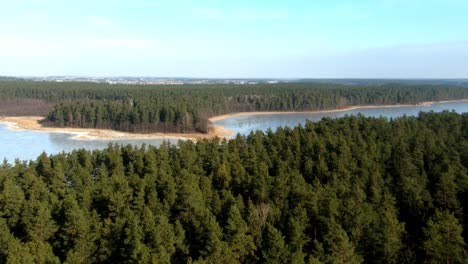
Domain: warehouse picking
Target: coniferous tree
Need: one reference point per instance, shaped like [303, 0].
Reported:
[444, 242]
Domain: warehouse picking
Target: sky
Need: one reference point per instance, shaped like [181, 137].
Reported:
[235, 39]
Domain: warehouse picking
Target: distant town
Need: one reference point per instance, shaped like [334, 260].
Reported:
[148, 80]
[236, 81]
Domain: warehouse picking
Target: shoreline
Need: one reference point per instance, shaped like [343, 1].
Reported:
[348, 108]
[32, 123]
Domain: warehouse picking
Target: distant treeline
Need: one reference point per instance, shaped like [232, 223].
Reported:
[348, 190]
[186, 108]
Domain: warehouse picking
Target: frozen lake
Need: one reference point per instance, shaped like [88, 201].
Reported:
[26, 144]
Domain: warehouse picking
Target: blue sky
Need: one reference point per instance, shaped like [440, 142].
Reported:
[237, 38]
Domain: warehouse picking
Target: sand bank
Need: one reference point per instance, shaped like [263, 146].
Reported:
[429, 103]
[33, 123]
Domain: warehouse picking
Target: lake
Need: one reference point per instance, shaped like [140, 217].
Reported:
[26, 144]
[244, 124]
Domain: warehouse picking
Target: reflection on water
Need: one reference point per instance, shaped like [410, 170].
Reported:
[26, 145]
[244, 124]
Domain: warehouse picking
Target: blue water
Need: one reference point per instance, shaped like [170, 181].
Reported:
[27, 145]
[244, 124]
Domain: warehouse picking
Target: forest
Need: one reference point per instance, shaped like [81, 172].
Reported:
[186, 108]
[348, 190]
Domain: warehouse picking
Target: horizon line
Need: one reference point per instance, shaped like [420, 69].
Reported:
[235, 78]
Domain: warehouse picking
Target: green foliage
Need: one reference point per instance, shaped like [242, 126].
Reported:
[273, 246]
[346, 190]
[186, 108]
[340, 249]
[444, 242]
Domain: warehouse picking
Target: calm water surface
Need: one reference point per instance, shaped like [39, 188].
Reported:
[244, 124]
[26, 145]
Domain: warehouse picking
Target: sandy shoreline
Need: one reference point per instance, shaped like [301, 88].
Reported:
[349, 108]
[32, 123]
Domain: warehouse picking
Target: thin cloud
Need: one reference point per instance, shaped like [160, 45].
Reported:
[210, 13]
[122, 43]
[27, 47]
[240, 14]
[23, 47]
[341, 13]
[99, 21]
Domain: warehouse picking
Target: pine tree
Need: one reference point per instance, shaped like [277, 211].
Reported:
[340, 249]
[274, 249]
[444, 243]
[240, 242]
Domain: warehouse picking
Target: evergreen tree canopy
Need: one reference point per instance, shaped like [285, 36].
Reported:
[347, 190]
